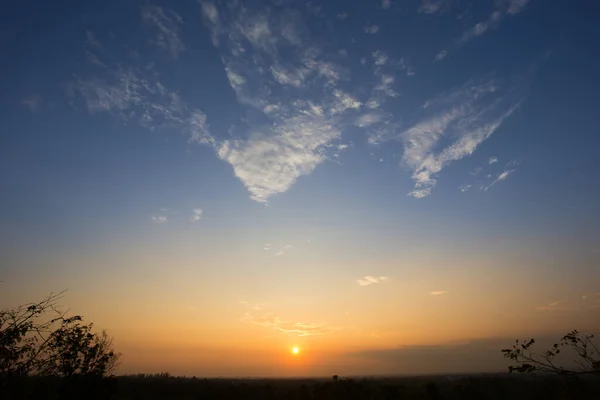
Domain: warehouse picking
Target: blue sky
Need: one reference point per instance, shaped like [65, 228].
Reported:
[281, 144]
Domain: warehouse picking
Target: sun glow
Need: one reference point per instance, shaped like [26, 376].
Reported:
[295, 350]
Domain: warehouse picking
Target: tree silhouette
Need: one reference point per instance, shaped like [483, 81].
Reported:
[38, 339]
[588, 356]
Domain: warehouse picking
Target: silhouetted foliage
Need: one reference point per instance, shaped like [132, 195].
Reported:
[38, 339]
[527, 361]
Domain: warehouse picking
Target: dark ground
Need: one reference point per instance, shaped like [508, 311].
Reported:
[166, 387]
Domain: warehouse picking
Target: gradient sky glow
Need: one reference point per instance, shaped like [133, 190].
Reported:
[392, 186]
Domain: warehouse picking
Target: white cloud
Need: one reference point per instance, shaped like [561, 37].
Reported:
[438, 292]
[159, 219]
[235, 79]
[464, 188]
[267, 247]
[379, 57]
[501, 8]
[285, 77]
[196, 215]
[469, 116]
[385, 4]
[382, 91]
[385, 86]
[476, 171]
[269, 163]
[327, 70]
[441, 55]
[269, 320]
[302, 125]
[342, 16]
[133, 98]
[560, 305]
[371, 29]
[343, 101]
[431, 6]
[480, 28]
[370, 280]
[502, 176]
[197, 127]
[516, 6]
[368, 119]
[283, 249]
[493, 160]
[166, 23]
[383, 131]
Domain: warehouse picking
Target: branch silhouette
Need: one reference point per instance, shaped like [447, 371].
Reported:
[527, 361]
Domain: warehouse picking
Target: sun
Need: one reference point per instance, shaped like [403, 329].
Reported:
[295, 350]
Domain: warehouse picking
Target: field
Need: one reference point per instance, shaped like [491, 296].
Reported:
[166, 387]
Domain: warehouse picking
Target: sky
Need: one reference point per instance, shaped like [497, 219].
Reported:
[391, 186]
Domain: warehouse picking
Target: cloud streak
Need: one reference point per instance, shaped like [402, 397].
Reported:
[301, 329]
[159, 219]
[450, 128]
[502, 8]
[166, 23]
[371, 280]
[502, 176]
[560, 305]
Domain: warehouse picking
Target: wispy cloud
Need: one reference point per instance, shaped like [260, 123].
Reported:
[441, 55]
[385, 4]
[493, 160]
[269, 320]
[469, 115]
[159, 219]
[502, 176]
[254, 306]
[560, 305]
[32, 102]
[369, 119]
[431, 6]
[301, 129]
[379, 57]
[91, 40]
[516, 6]
[166, 23]
[476, 171]
[283, 249]
[137, 96]
[465, 187]
[586, 302]
[196, 215]
[370, 280]
[438, 292]
[501, 8]
[371, 29]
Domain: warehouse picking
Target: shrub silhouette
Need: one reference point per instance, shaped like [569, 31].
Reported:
[528, 361]
[38, 339]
